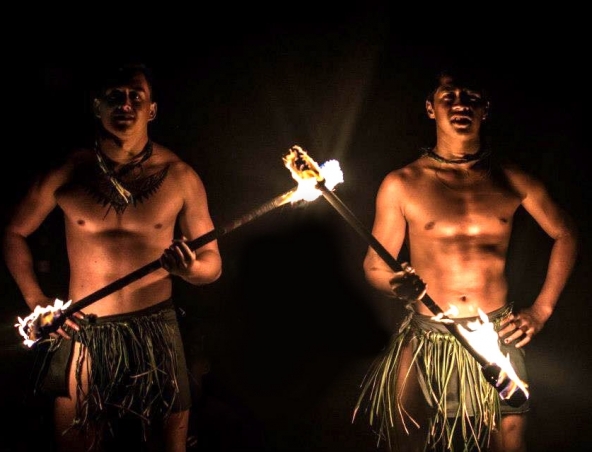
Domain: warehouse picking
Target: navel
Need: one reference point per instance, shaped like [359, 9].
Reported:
[430, 225]
[158, 226]
[81, 222]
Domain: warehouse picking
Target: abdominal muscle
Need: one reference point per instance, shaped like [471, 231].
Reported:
[98, 259]
[462, 279]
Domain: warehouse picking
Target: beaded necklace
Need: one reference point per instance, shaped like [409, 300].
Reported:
[114, 176]
[429, 152]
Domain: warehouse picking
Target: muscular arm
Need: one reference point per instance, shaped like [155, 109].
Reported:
[194, 220]
[389, 229]
[561, 228]
[28, 216]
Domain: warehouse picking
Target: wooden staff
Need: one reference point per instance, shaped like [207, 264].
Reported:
[38, 327]
[301, 163]
[490, 370]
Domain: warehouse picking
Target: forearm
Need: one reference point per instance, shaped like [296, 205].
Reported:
[206, 268]
[380, 278]
[19, 261]
[562, 260]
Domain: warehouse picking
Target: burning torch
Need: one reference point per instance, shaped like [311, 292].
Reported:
[45, 320]
[496, 369]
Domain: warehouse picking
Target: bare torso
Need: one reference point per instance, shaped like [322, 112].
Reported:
[459, 223]
[104, 245]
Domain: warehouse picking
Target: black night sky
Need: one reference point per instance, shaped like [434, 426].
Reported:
[290, 328]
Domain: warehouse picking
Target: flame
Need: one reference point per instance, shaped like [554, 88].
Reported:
[308, 174]
[41, 316]
[483, 338]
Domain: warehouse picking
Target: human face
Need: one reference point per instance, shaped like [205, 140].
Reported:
[457, 108]
[126, 107]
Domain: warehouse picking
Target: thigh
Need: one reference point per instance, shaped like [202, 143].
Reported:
[175, 431]
[65, 408]
[413, 411]
[511, 435]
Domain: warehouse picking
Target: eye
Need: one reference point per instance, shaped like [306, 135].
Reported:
[473, 97]
[476, 100]
[137, 97]
[114, 97]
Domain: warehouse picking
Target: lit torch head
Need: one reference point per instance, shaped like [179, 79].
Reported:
[484, 340]
[40, 321]
[308, 174]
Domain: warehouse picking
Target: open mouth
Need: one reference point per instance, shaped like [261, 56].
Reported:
[461, 120]
[123, 117]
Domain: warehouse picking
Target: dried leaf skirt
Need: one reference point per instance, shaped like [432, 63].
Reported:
[458, 396]
[135, 365]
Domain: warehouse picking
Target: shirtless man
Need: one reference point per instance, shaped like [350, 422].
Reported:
[121, 202]
[454, 207]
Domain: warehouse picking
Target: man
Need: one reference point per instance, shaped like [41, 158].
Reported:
[453, 207]
[121, 202]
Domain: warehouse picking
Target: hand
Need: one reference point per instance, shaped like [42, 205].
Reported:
[405, 284]
[520, 327]
[38, 326]
[69, 323]
[178, 258]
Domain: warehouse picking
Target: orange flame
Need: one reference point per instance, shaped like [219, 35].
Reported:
[308, 174]
[41, 316]
[483, 338]
[304, 170]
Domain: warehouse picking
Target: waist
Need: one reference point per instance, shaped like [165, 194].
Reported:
[429, 323]
[166, 307]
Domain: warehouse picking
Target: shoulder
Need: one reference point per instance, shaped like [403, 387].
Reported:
[522, 181]
[178, 170]
[407, 175]
[60, 171]
[163, 156]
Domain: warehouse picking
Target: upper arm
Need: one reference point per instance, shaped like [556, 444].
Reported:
[389, 225]
[538, 202]
[37, 203]
[194, 218]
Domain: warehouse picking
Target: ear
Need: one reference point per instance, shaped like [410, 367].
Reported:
[153, 109]
[430, 109]
[485, 111]
[97, 108]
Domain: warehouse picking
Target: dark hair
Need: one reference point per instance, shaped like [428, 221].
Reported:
[466, 76]
[117, 74]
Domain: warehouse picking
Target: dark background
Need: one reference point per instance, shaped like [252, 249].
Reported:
[287, 333]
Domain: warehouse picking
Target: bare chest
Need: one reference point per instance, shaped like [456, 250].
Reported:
[92, 202]
[452, 207]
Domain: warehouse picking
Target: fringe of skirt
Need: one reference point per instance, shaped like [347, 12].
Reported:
[440, 358]
[131, 368]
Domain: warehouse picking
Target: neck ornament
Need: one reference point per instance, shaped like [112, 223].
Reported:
[480, 154]
[106, 166]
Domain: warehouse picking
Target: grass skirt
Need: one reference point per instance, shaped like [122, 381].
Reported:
[134, 364]
[461, 400]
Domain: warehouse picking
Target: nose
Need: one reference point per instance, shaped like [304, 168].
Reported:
[126, 102]
[461, 100]
[121, 100]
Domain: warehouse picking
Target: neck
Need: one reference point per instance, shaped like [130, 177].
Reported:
[121, 149]
[469, 157]
[134, 159]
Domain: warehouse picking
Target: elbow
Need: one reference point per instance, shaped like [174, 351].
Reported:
[217, 275]
[215, 272]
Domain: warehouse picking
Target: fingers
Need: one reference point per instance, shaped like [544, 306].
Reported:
[407, 267]
[407, 285]
[69, 325]
[515, 328]
[177, 257]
